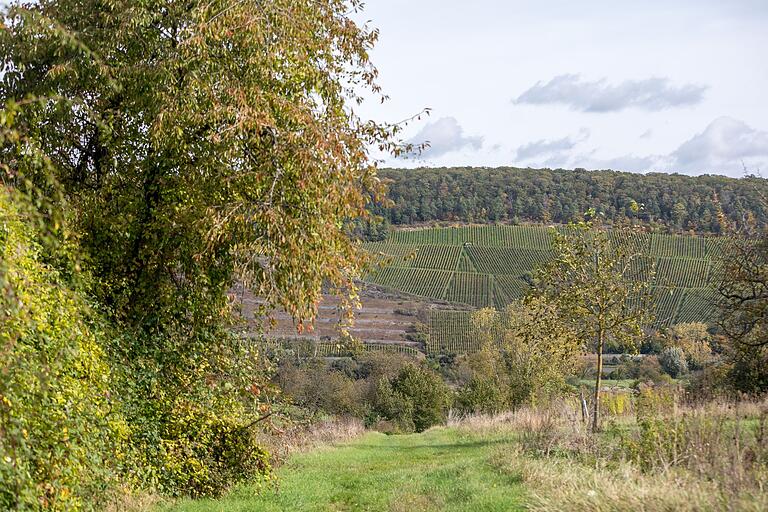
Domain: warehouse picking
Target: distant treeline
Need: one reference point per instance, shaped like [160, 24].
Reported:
[664, 202]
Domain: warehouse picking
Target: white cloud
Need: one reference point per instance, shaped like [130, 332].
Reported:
[651, 94]
[723, 146]
[444, 136]
[551, 147]
[726, 146]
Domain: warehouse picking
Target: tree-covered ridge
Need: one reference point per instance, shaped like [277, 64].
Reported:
[664, 202]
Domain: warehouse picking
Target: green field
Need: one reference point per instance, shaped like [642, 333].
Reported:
[484, 266]
[442, 469]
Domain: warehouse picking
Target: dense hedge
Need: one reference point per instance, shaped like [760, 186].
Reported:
[61, 437]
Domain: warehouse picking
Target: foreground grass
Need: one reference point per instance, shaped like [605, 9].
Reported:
[444, 469]
[533, 459]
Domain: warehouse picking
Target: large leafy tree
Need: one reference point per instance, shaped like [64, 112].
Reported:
[199, 138]
[594, 282]
[193, 146]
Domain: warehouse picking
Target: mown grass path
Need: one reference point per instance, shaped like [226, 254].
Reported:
[443, 469]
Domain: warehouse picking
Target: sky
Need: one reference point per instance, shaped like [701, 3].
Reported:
[651, 85]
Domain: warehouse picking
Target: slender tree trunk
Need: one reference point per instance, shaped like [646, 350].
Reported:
[596, 405]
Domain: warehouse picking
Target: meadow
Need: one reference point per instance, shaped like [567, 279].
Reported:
[442, 469]
[652, 456]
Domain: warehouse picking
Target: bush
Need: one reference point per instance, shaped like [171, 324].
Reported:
[711, 382]
[393, 411]
[481, 395]
[60, 433]
[203, 453]
[375, 365]
[419, 333]
[673, 361]
[317, 387]
[527, 350]
[748, 368]
[653, 344]
[426, 391]
[644, 368]
[192, 430]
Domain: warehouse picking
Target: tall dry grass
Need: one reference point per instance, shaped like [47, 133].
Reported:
[562, 484]
[661, 455]
[302, 438]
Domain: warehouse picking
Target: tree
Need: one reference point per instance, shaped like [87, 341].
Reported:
[660, 202]
[425, 390]
[201, 140]
[527, 349]
[743, 300]
[672, 360]
[192, 146]
[695, 342]
[593, 283]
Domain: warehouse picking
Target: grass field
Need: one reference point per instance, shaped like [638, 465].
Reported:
[444, 469]
[702, 458]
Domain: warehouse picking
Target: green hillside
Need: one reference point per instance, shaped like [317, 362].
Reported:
[484, 266]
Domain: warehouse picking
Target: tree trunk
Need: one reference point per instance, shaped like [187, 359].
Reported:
[596, 409]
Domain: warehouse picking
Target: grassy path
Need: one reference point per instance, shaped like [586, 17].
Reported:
[443, 469]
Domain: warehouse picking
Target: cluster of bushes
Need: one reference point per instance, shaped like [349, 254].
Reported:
[526, 355]
[641, 368]
[390, 391]
[684, 350]
[60, 439]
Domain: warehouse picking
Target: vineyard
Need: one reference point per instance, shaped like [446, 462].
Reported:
[490, 266]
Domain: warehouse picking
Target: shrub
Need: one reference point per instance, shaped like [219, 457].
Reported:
[317, 387]
[481, 395]
[60, 431]
[426, 391]
[419, 333]
[393, 408]
[645, 368]
[527, 348]
[673, 361]
[192, 432]
[205, 453]
[653, 344]
[616, 404]
[375, 365]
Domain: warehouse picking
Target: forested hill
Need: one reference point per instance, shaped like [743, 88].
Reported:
[666, 202]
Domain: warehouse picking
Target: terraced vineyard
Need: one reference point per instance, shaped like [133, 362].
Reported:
[490, 266]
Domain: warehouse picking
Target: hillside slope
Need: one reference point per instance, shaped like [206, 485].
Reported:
[490, 266]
